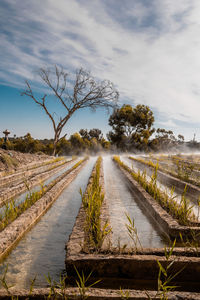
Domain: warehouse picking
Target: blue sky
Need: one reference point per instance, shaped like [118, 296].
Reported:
[150, 50]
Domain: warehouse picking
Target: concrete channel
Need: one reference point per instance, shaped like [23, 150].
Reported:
[7, 193]
[41, 250]
[131, 268]
[134, 270]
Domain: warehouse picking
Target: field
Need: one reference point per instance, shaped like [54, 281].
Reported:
[110, 227]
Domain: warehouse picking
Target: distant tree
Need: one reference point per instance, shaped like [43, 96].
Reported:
[96, 133]
[84, 134]
[132, 127]
[92, 133]
[105, 144]
[72, 94]
[181, 138]
[77, 143]
[64, 147]
[164, 140]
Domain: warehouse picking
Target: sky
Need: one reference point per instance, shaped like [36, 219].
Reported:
[150, 50]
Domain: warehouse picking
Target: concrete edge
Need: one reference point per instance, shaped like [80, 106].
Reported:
[95, 293]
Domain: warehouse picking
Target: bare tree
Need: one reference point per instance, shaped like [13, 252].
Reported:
[73, 94]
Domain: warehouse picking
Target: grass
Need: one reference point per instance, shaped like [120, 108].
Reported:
[166, 275]
[181, 212]
[132, 232]
[92, 201]
[13, 211]
[57, 290]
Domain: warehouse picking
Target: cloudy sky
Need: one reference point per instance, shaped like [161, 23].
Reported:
[150, 50]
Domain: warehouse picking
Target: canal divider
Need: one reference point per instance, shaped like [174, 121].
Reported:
[79, 243]
[16, 230]
[10, 192]
[28, 166]
[31, 171]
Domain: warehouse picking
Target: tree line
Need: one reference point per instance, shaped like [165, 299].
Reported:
[132, 127]
[125, 136]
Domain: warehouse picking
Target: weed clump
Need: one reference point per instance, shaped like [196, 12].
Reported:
[92, 202]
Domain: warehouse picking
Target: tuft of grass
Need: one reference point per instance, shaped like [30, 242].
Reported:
[132, 231]
[12, 210]
[165, 275]
[81, 283]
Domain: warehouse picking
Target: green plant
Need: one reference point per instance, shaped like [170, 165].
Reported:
[81, 283]
[165, 276]
[12, 210]
[124, 294]
[182, 170]
[3, 281]
[132, 231]
[191, 243]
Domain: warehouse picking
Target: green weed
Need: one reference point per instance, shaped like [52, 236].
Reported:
[132, 231]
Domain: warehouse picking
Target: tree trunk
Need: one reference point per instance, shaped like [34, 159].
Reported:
[55, 142]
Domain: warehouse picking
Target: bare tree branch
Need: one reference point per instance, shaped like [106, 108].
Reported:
[85, 92]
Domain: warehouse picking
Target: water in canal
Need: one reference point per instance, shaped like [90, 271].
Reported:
[121, 202]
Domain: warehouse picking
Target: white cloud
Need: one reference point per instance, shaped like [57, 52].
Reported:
[157, 65]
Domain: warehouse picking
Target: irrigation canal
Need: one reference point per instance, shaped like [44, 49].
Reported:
[177, 194]
[21, 198]
[121, 201]
[42, 250]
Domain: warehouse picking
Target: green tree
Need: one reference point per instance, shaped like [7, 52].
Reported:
[164, 140]
[77, 143]
[64, 147]
[132, 127]
[96, 133]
